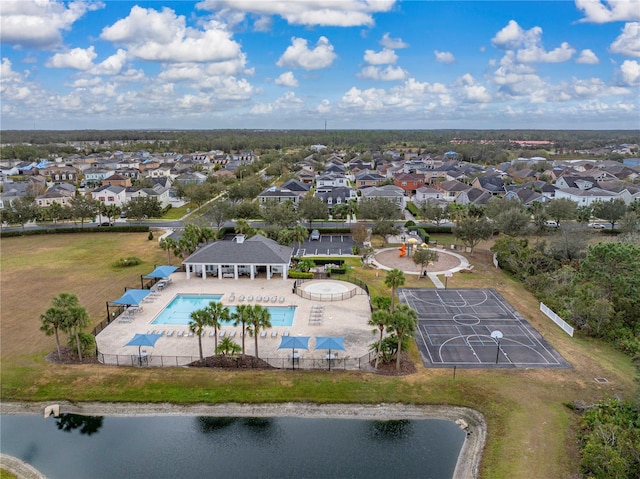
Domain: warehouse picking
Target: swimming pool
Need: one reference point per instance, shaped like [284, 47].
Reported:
[178, 311]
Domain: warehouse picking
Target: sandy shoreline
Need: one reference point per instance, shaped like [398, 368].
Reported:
[468, 461]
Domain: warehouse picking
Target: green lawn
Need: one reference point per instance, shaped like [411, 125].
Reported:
[531, 432]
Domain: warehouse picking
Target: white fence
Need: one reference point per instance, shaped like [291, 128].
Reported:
[556, 319]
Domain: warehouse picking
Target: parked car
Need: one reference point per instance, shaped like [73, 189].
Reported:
[551, 224]
[106, 223]
[597, 225]
[315, 235]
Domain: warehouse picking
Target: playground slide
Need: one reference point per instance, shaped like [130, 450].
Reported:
[402, 253]
[403, 250]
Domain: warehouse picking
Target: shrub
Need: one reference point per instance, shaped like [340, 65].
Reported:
[127, 262]
[150, 237]
[413, 209]
[409, 224]
[300, 275]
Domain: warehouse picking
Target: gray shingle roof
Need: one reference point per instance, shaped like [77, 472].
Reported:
[255, 250]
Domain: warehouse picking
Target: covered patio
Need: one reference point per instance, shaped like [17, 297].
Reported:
[240, 257]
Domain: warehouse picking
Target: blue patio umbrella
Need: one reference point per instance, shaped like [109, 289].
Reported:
[132, 297]
[294, 342]
[328, 342]
[162, 272]
[143, 340]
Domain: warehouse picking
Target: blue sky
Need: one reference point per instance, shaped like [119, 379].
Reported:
[296, 64]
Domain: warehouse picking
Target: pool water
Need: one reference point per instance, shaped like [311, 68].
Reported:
[178, 311]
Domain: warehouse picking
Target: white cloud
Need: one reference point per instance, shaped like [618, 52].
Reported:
[384, 57]
[512, 36]
[289, 101]
[390, 73]
[444, 57]
[587, 57]
[343, 13]
[392, 43]
[596, 11]
[112, 65]
[86, 82]
[287, 79]
[324, 107]
[528, 44]
[537, 54]
[628, 42]
[630, 71]
[164, 36]
[298, 55]
[39, 23]
[77, 58]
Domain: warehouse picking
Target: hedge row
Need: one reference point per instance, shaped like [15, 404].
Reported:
[300, 275]
[91, 229]
[413, 209]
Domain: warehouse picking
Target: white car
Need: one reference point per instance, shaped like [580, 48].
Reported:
[551, 224]
[597, 225]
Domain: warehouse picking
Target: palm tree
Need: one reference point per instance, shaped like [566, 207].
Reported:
[403, 321]
[217, 312]
[52, 321]
[199, 319]
[76, 320]
[227, 346]
[395, 278]
[380, 319]
[241, 316]
[259, 318]
[299, 234]
[169, 245]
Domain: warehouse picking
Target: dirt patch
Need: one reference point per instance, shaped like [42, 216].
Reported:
[231, 362]
[391, 259]
[67, 356]
[389, 369]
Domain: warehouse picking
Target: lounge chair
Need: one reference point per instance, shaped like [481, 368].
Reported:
[286, 333]
[282, 299]
[263, 333]
[274, 299]
[266, 299]
[180, 334]
[259, 297]
[274, 334]
[250, 298]
[169, 333]
[189, 333]
[232, 297]
[222, 334]
[212, 333]
[241, 297]
[232, 334]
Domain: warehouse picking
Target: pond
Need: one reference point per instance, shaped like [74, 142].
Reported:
[95, 447]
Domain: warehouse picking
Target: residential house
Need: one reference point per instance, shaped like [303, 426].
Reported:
[95, 176]
[191, 178]
[276, 195]
[451, 188]
[585, 197]
[117, 180]
[388, 192]
[493, 184]
[327, 181]
[581, 182]
[427, 193]
[60, 194]
[297, 186]
[157, 192]
[368, 178]
[110, 195]
[59, 173]
[336, 196]
[473, 196]
[409, 182]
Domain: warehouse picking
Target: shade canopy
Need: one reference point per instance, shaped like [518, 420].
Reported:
[132, 297]
[328, 342]
[162, 272]
[294, 342]
[144, 340]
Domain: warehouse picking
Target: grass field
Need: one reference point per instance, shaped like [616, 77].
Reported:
[531, 432]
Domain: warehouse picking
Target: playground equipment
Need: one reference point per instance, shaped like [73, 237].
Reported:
[403, 250]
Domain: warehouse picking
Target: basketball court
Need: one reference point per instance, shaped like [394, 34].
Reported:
[476, 328]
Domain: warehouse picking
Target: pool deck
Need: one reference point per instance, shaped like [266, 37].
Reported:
[347, 318]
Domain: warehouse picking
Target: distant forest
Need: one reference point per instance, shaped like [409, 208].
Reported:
[27, 144]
